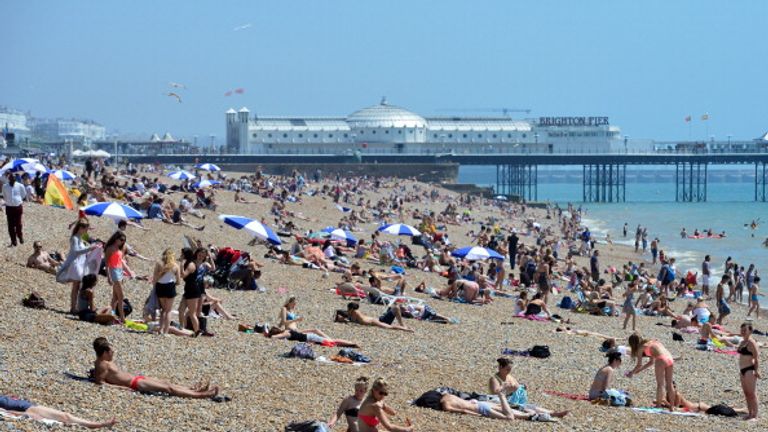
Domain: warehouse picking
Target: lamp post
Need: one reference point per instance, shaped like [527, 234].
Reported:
[626, 141]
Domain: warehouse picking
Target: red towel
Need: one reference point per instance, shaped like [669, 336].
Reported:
[567, 395]
[722, 351]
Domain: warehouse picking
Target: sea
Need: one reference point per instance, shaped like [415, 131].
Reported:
[730, 207]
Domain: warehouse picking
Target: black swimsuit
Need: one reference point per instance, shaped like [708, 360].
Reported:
[746, 352]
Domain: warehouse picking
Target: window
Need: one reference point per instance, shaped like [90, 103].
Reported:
[285, 135]
[269, 135]
[254, 135]
[386, 132]
[410, 131]
[510, 135]
[400, 132]
[434, 136]
[374, 132]
[301, 135]
[314, 136]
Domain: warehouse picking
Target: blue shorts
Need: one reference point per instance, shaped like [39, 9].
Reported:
[723, 308]
[388, 317]
[116, 274]
[484, 409]
[10, 403]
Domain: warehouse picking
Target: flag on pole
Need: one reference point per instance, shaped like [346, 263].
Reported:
[705, 117]
[688, 119]
[56, 194]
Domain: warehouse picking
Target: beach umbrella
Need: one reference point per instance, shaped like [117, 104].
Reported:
[181, 175]
[113, 210]
[208, 167]
[204, 184]
[399, 229]
[63, 174]
[475, 253]
[28, 165]
[252, 226]
[341, 234]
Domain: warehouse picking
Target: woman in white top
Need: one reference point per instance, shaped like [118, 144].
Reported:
[73, 268]
[167, 273]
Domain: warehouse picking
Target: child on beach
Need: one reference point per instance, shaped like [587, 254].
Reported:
[601, 384]
[754, 304]
[629, 307]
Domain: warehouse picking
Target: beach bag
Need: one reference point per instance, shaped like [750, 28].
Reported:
[303, 351]
[616, 398]
[307, 426]
[721, 410]
[127, 308]
[566, 303]
[430, 399]
[539, 351]
[33, 301]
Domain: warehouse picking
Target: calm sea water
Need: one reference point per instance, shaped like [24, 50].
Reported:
[729, 207]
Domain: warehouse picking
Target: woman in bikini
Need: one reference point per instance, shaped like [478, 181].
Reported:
[374, 412]
[754, 303]
[350, 406]
[116, 267]
[386, 321]
[749, 357]
[663, 364]
[503, 384]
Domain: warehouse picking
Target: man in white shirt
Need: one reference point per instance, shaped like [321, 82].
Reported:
[14, 194]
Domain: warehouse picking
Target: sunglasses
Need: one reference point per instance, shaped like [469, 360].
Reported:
[383, 393]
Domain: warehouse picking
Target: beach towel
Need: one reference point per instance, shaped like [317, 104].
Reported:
[326, 360]
[652, 410]
[532, 317]
[723, 351]
[571, 396]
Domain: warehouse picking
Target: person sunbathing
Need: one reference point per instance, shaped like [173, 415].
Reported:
[42, 260]
[604, 376]
[501, 411]
[385, 321]
[311, 335]
[508, 388]
[700, 407]
[21, 407]
[108, 373]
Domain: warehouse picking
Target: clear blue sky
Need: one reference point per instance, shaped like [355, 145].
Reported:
[646, 64]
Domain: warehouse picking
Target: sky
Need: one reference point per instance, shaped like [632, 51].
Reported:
[645, 64]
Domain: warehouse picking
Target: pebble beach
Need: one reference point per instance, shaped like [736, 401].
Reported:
[42, 350]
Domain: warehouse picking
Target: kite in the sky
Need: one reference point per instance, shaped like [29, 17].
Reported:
[242, 27]
[177, 85]
[178, 98]
[238, 90]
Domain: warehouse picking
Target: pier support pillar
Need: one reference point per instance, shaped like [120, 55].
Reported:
[691, 181]
[519, 180]
[761, 175]
[604, 183]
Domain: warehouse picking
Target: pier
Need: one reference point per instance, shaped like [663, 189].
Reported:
[604, 175]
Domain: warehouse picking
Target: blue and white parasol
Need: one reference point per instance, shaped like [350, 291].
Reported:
[181, 175]
[475, 253]
[254, 227]
[27, 165]
[399, 229]
[341, 234]
[208, 167]
[113, 210]
[204, 184]
[62, 174]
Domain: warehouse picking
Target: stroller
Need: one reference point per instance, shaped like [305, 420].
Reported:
[230, 264]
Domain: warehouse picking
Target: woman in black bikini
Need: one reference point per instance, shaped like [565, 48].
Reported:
[350, 406]
[749, 356]
[536, 306]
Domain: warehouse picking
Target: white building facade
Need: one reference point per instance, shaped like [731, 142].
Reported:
[14, 122]
[75, 130]
[386, 128]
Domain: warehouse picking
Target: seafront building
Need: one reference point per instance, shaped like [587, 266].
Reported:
[385, 128]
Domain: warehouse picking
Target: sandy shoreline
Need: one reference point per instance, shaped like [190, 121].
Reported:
[268, 391]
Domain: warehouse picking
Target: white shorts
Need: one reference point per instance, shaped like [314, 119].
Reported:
[705, 280]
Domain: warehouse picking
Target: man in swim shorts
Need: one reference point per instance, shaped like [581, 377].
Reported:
[108, 373]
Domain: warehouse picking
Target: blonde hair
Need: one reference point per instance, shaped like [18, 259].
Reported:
[168, 259]
[379, 384]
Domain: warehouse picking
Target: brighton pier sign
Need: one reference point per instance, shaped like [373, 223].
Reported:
[573, 121]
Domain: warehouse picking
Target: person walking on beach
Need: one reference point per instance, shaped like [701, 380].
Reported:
[754, 304]
[14, 194]
[706, 273]
[629, 305]
[749, 357]
[663, 364]
[723, 310]
[638, 234]
[624, 230]
[512, 241]
[594, 266]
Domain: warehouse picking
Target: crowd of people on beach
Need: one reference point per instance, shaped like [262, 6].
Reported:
[542, 257]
